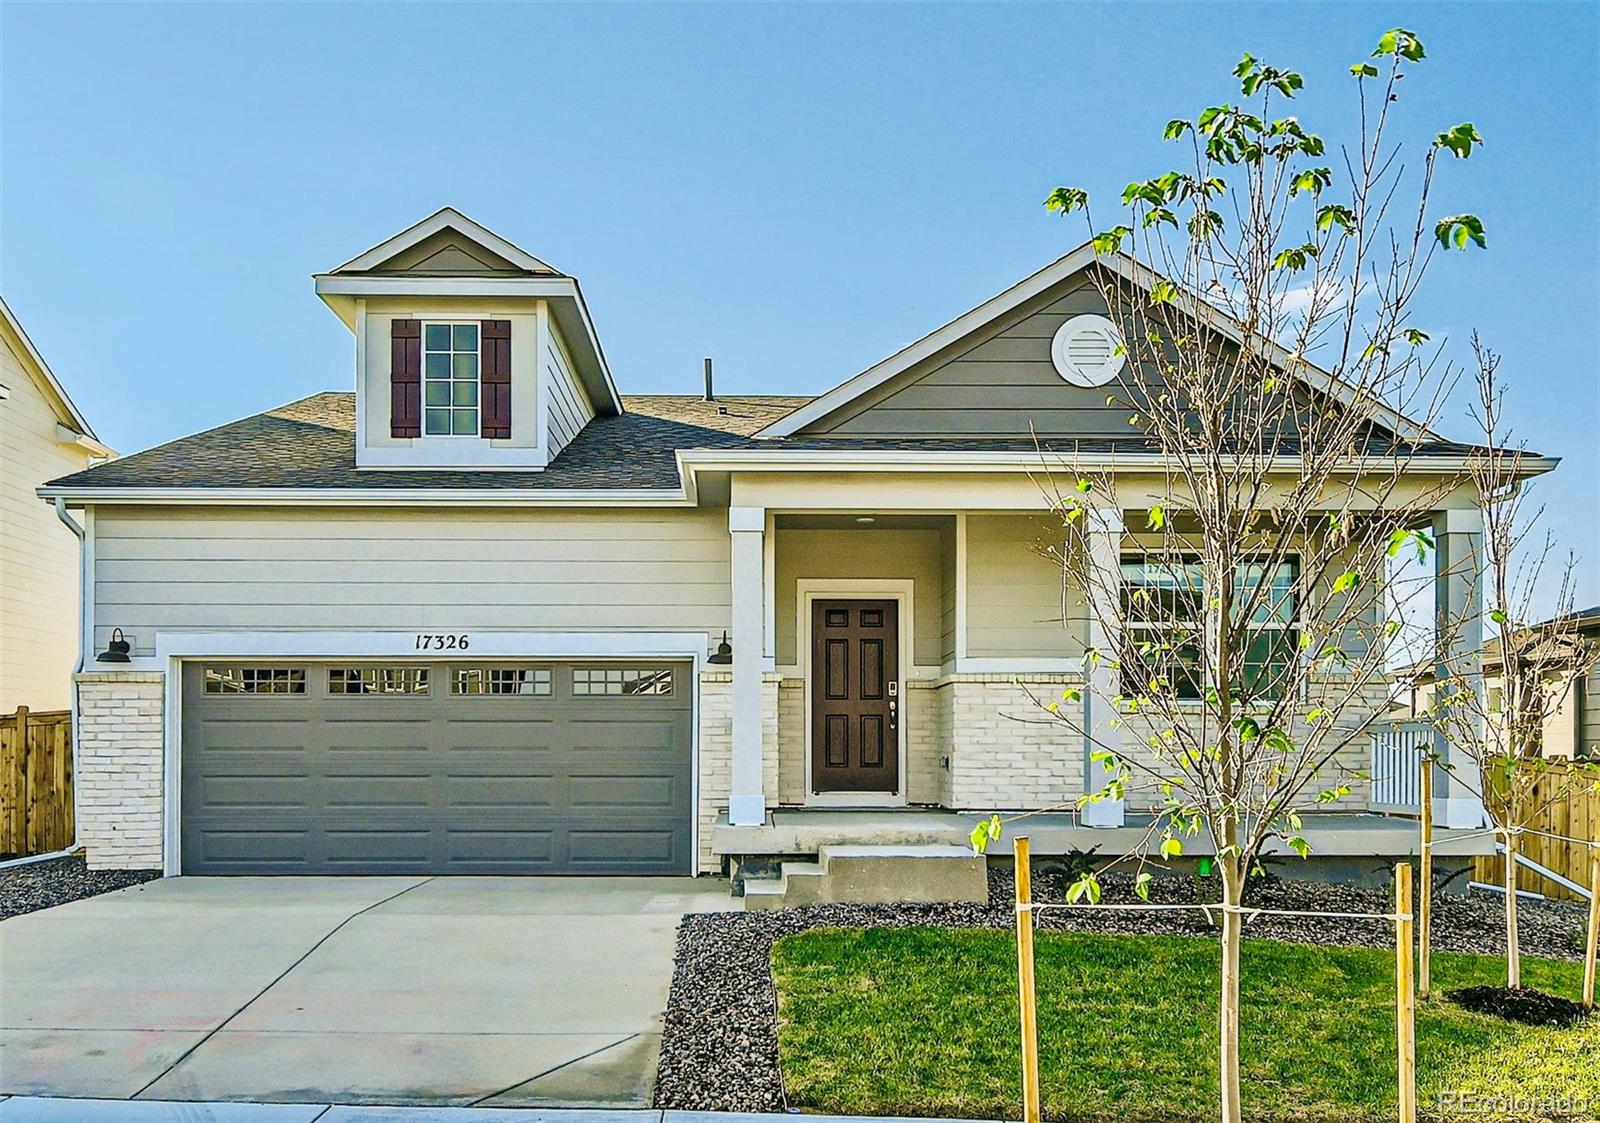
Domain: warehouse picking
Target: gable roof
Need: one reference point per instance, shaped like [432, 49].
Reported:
[527, 276]
[305, 452]
[446, 218]
[1032, 286]
[311, 444]
[66, 412]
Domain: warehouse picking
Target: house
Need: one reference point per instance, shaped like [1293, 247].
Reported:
[42, 436]
[1565, 648]
[487, 614]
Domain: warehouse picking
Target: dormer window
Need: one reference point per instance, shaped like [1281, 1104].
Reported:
[450, 360]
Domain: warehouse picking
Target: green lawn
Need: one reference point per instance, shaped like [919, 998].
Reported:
[923, 1021]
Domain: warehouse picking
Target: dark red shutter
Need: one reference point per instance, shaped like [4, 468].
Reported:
[494, 378]
[405, 378]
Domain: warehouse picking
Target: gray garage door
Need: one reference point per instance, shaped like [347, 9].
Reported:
[435, 767]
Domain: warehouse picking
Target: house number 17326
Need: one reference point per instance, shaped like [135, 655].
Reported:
[442, 641]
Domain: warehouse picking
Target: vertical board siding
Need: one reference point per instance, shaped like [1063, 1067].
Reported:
[262, 570]
[38, 555]
[35, 782]
[570, 408]
[1574, 814]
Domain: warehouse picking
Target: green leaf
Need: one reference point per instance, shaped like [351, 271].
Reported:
[1364, 70]
[1415, 336]
[1499, 616]
[1400, 43]
[1300, 846]
[1346, 581]
[1086, 886]
[1110, 241]
[1163, 292]
[1457, 229]
[1312, 180]
[1333, 213]
[1175, 129]
[1065, 200]
[1085, 486]
[1171, 847]
[1156, 517]
[1141, 885]
[1459, 140]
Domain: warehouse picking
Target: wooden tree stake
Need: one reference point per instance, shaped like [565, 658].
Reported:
[1425, 901]
[1594, 931]
[1405, 993]
[1026, 996]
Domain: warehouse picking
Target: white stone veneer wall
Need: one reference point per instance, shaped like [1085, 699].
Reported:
[119, 780]
[1005, 751]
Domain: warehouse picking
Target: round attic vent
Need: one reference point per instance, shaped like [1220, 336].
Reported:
[1085, 351]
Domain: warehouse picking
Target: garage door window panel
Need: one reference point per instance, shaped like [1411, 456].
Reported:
[503, 681]
[378, 680]
[255, 680]
[621, 681]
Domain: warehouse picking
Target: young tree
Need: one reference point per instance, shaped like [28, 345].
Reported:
[1539, 662]
[1263, 291]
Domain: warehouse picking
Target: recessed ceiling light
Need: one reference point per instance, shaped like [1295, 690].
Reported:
[865, 520]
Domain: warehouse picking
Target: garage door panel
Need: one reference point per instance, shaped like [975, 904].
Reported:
[442, 781]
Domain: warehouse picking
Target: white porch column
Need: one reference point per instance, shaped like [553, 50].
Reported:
[1458, 655]
[1103, 542]
[747, 526]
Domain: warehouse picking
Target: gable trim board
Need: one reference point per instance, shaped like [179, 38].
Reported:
[78, 429]
[1034, 286]
[445, 218]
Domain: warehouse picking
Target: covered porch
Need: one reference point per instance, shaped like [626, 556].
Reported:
[963, 628]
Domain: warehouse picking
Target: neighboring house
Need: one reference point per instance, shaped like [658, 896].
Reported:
[1566, 646]
[471, 617]
[42, 436]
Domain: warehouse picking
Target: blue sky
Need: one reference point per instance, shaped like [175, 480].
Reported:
[797, 191]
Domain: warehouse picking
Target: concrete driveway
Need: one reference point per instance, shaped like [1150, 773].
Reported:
[460, 990]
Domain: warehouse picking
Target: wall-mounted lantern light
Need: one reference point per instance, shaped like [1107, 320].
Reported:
[723, 654]
[116, 651]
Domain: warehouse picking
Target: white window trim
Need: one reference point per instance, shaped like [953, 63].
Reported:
[452, 323]
[902, 591]
[173, 649]
[477, 453]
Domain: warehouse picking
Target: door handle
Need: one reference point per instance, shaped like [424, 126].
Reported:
[894, 713]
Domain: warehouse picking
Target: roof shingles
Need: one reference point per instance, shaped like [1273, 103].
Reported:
[311, 443]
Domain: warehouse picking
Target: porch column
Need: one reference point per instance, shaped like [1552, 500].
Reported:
[746, 802]
[1458, 655]
[1102, 540]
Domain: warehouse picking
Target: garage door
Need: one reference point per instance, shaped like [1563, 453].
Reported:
[480, 768]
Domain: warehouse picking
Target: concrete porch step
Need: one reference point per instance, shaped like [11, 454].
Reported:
[867, 874]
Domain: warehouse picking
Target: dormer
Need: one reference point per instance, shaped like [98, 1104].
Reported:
[470, 352]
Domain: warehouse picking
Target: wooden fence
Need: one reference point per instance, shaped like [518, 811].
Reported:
[1576, 814]
[35, 782]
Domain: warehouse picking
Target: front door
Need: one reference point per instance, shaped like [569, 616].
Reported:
[855, 696]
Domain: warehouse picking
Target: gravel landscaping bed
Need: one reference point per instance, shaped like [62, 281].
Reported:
[719, 1049]
[40, 885]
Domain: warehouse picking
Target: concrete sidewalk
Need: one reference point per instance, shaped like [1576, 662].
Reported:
[447, 991]
[24, 1109]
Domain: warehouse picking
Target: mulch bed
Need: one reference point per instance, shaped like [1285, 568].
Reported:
[719, 1049]
[42, 885]
[1519, 1004]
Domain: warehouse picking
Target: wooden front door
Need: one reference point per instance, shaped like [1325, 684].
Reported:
[855, 696]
